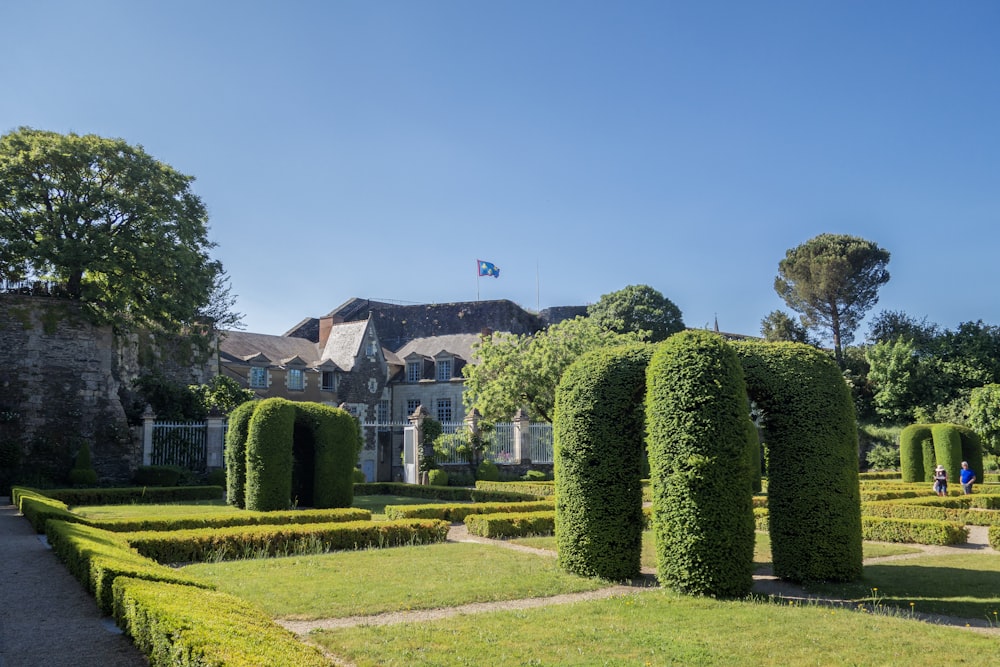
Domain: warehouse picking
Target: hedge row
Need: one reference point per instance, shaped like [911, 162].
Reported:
[38, 509]
[458, 512]
[879, 475]
[241, 518]
[531, 488]
[918, 531]
[439, 492]
[512, 525]
[125, 495]
[179, 625]
[258, 541]
[994, 537]
[895, 510]
[97, 557]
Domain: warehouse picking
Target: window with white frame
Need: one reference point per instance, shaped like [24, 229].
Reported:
[258, 377]
[443, 370]
[328, 381]
[444, 410]
[296, 379]
[411, 406]
[414, 371]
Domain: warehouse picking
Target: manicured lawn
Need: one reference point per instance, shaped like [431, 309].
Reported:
[662, 628]
[965, 585]
[376, 504]
[396, 579]
[188, 508]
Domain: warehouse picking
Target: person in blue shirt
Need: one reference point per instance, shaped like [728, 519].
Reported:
[967, 477]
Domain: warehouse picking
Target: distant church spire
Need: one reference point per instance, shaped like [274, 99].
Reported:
[716, 323]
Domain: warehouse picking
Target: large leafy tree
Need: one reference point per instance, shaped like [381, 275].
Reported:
[779, 326]
[522, 371]
[638, 309]
[832, 280]
[984, 415]
[109, 224]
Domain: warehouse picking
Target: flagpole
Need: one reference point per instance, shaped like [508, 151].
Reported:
[477, 280]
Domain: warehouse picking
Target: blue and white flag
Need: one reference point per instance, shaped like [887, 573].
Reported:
[488, 269]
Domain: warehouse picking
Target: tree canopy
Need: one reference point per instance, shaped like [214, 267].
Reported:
[522, 371]
[779, 326]
[832, 280]
[637, 309]
[113, 227]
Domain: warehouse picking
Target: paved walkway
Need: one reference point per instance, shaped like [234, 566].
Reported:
[47, 619]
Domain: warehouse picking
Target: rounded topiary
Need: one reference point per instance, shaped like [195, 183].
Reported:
[437, 477]
[236, 453]
[599, 459]
[814, 500]
[83, 473]
[269, 455]
[697, 417]
[358, 476]
[487, 472]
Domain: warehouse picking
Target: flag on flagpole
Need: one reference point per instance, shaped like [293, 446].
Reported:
[488, 269]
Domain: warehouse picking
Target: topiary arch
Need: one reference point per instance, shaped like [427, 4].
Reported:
[696, 388]
[281, 453]
[924, 446]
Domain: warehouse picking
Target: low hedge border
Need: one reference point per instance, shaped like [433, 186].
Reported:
[457, 513]
[439, 492]
[518, 524]
[879, 475]
[183, 546]
[532, 488]
[97, 557]
[914, 531]
[130, 495]
[182, 625]
[38, 509]
[891, 509]
[994, 537]
[240, 518]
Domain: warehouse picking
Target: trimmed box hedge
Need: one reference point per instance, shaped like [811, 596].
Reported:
[97, 557]
[184, 546]
[178, 625]
[133, 495]
[532, 488]
[458, 512]
[994, 537]
[917, 531]
[512, 525]
[237, 518]
[440, 492]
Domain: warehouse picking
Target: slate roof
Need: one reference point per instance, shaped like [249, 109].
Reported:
[344, 342]
[458, 344]
[242, 345]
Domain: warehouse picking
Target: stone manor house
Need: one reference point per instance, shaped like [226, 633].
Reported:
[378, 360]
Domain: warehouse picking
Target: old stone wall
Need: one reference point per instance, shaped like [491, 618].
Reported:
[62, 380]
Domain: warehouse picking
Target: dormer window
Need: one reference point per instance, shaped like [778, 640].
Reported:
[443, 370]
[414, 371]
[371, 350]
[258, 377]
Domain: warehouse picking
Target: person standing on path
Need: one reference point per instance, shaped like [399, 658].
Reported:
[941, 481]
[966, 477]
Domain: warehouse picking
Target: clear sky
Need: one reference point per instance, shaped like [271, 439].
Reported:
[378, 149]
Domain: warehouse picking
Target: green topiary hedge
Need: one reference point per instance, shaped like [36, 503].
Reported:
[696, 416]
[477, 495]
[511, 525]
[182, 625]
[599, 452]
[236, 453]
[922, 447]
[813, 491]
[458, 512]
[540, 489]
[269, 455]
[918, 531]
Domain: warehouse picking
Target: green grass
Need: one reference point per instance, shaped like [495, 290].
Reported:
[661, 628]
[964, 585]
[376, 504]
[188, 508]
[384, 580]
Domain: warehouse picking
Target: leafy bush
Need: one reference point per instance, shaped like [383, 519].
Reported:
[488, 472]
[437, 477]
[461, 478]
[919, 531]
[459, 511]
[883, 457]
[358, 477]
[83, 473]
[511, 525]
[535, 476]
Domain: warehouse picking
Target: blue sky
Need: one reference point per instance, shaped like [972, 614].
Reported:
[377, 149]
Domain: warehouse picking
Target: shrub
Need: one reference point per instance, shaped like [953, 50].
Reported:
[488, 472]
[599, 453]
[534, 476]
[461, 478]
[697, 417]
[437, 477]
[83, 473]
[540, 489]
[175, 624]
[883, 457]
[458, 512]
[358, 477]
[215, 478]
[815, 510]
[236, 453]
[919, 531]
[511, 525]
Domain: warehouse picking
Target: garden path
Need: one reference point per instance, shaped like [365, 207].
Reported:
[46, 617]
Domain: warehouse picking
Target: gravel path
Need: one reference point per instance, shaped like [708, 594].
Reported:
[46, 618]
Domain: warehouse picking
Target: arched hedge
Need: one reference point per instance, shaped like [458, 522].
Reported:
[922, 447]
[271, 432]
[599, 454]
[235, 452]
[697, 418]
[814, 503]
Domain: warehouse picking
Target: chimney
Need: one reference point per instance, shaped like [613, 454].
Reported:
[325, 324]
